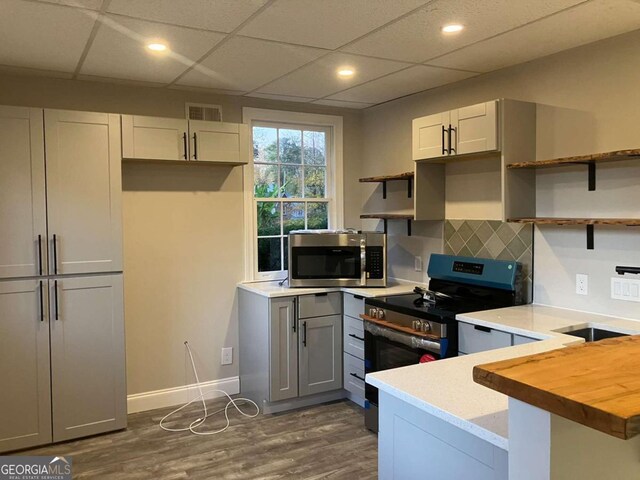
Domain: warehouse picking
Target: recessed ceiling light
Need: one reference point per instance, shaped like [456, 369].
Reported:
[156, 47]
[453, 28]
[346, 72]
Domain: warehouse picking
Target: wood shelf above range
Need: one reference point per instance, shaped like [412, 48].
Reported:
[406, 176]
[615, 156]
[630, 222]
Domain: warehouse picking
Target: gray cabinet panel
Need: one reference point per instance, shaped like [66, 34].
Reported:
[22, 193]
[320, 347]
[283, 350]
[87, 356]
[25, 401]
[84, 191]
[320, 305]
[353, 337]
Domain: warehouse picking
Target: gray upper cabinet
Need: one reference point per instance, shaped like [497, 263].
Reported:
[320, 354]
[87, 356]
[466, 130]
[283, 349]
[156, 138]
[84, 209]
[25, 404]
[23, 240]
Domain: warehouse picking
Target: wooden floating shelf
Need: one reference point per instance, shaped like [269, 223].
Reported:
[631, 222]
[616, 156]
[388, 178]
[391, 216]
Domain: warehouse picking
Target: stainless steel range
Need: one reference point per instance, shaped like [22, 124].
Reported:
[421, 327]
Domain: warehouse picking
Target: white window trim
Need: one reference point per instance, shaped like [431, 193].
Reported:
[335, 185]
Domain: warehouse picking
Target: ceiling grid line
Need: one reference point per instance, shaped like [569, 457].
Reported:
[94, 31]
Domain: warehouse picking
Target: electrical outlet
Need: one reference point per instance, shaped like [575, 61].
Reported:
[227, 356]
[625, 289]
[417, 263]
[582, 284]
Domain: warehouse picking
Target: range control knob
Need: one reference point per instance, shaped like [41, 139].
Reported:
[426, 327]
[381, 313]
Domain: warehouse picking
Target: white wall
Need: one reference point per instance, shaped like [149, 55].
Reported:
[183, 230]
[595, 96]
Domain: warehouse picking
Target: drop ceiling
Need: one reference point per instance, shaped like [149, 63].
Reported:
[290, 49]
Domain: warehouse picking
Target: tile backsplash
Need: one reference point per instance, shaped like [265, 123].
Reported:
[492, 239]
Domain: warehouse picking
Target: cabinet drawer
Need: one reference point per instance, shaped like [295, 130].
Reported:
[353, 337]
[353, 305]
[354, 375]
[319, 305]
[475, 338]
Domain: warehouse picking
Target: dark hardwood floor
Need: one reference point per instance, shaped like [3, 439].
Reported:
[325, 441]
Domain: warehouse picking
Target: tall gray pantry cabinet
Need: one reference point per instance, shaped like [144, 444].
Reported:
[62, 356]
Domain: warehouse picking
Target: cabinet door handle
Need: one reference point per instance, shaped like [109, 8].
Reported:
[195, 146]
[482, 329]
[444, 150]
[55, 295]
[55, 254]
[295, 317]
[41, 301]
[451, 149]
[184, 141]
[40, 254]
[356, 337]
[357, 376]
[304, 333]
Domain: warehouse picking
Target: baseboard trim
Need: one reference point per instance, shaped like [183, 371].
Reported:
[168, 397]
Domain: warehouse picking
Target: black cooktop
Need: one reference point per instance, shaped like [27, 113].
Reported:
[444, 310]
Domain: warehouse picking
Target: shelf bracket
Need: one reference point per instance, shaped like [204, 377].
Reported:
[410, 187]
[592, 176]
[589, 237]
[384, 190]
[409, 227]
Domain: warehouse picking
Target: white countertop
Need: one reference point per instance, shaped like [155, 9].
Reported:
[446, 388]
[272, 289]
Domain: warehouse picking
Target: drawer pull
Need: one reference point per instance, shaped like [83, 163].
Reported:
[482, 329]
[356, 337]
[322, 294]
[358, 297]
[357, 376]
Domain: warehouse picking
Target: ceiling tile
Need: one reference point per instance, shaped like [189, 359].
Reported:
[219, 91]
[418, 37]
[319, 78]
[91, 4]
[245, 64]
[405, 82]
[341, 104]
[118, 50]
[219, 15]
[597, 20]
[43, 36]
[285, 98]
[326, 23]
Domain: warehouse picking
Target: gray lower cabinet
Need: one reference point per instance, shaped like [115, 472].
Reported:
[25, 398]
[290, 348]
[62, 359]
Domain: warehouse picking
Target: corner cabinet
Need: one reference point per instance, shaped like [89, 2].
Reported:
[179, 140]
[462, 158]
[290, 349]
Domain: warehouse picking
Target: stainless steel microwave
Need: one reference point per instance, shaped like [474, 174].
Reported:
[337, 259]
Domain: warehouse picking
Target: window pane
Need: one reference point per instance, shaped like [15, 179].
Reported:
[265, 181]
[269, 254]
[268, 218]
[291, 181]
[317, 215]
[290, 146]
[265, 144]
[292, 216]
[314, 148]
[314, 182]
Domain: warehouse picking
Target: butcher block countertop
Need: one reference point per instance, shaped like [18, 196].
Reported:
[595, 384]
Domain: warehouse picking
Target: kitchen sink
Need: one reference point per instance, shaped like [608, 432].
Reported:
[592, 334]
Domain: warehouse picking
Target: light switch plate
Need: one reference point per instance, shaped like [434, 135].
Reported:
[227, 356]
[417, 263]
[625, 289]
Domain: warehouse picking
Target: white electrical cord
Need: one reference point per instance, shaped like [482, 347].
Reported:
[199, 421]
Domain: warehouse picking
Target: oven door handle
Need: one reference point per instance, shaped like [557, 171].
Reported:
[428, 343]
